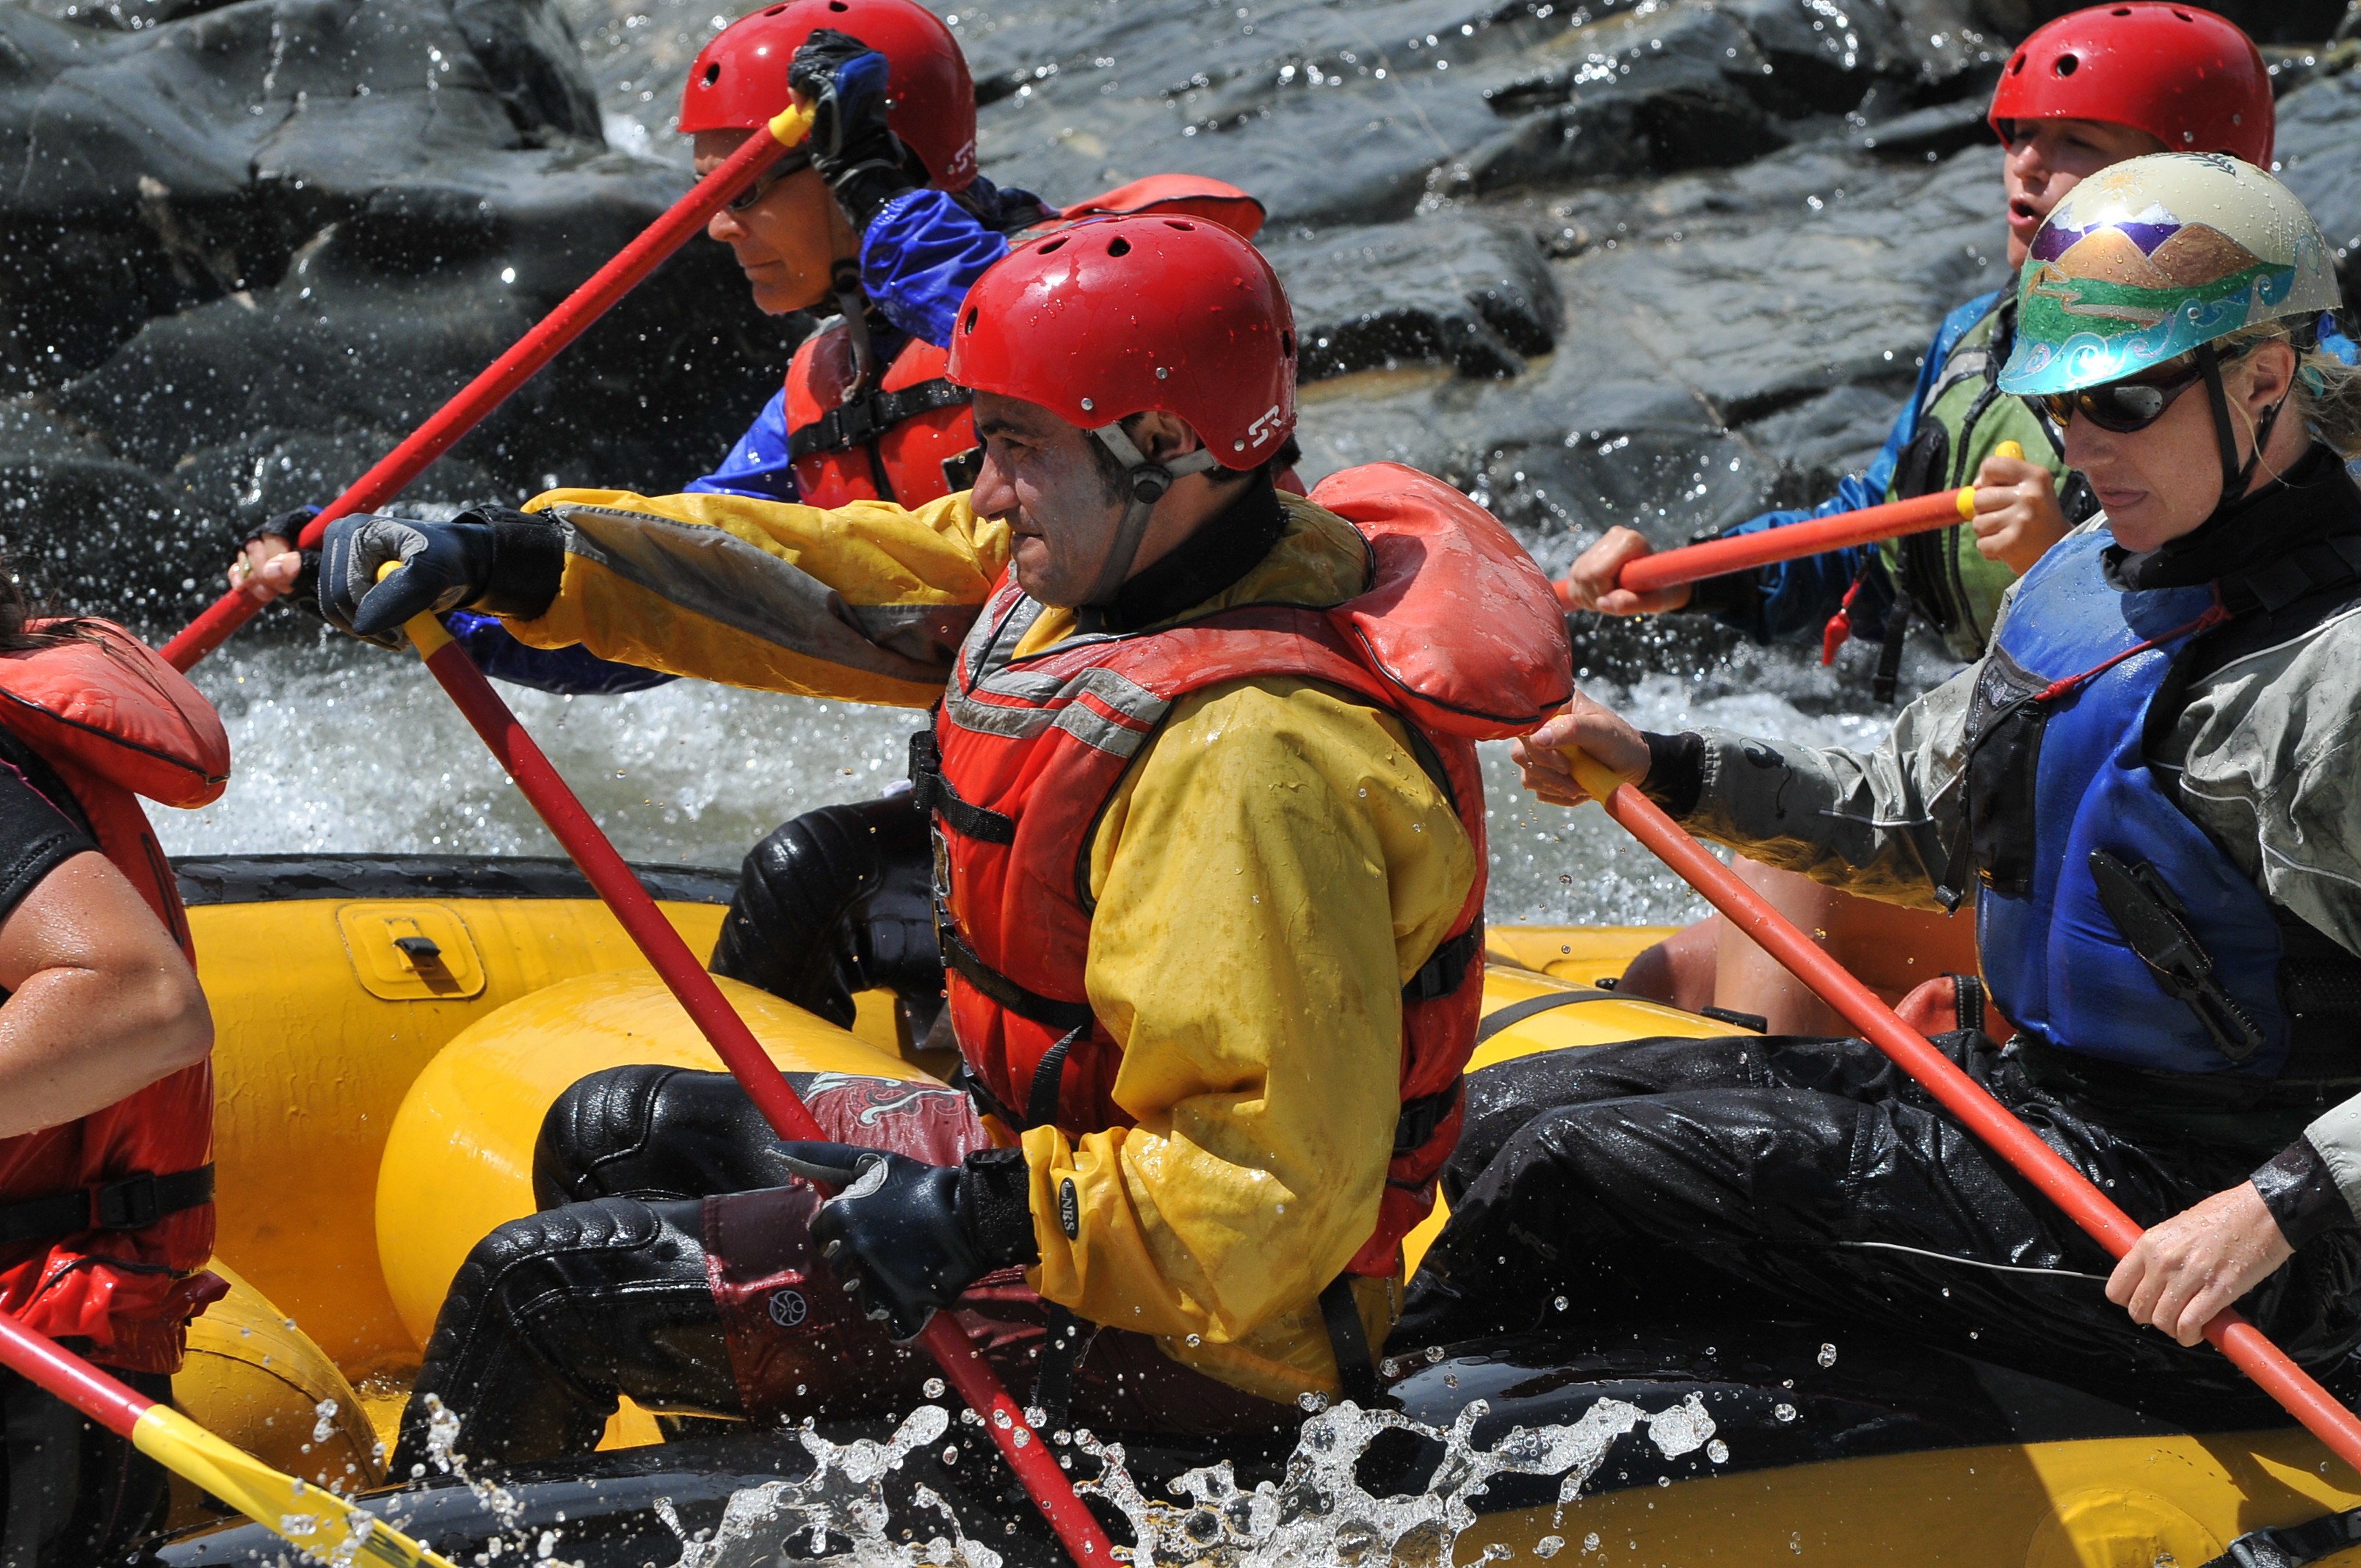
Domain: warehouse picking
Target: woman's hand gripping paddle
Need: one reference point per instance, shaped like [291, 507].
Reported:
[1052, 1489]
[316, 1519]
[1748, 912]
[536, 348]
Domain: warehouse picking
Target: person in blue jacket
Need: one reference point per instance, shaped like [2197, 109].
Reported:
[861, 214]
[2084, 93]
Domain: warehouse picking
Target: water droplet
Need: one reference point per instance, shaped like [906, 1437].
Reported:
[1194, 1341]
[951, 1453]
[933, 1387]
[1717, 1451]
[1549, 1546]
[1560, 1303]
[1827, 1355]
[1590, 1542]
[1783, 1411]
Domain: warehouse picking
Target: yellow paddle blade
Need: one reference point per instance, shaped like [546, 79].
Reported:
[317, 1520]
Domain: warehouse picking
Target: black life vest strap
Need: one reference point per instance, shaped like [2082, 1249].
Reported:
[1067, 1342]
[929, 791]
[1446, 967]
[1355, 1368]
[1046, 1011]
[132, 1203]
[869, 416]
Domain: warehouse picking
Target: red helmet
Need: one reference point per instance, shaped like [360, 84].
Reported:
[739, 79]
[2187, 77]
[1121, 316]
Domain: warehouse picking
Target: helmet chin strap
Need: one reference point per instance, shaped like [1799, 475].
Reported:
[852, 304]
[2235, 475]
[1145, 482]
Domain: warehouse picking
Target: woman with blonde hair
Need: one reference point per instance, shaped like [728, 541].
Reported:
[2147, 786]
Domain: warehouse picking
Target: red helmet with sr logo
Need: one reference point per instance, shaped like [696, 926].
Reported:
[740, 79]
[2187, 77]
[1124, 315]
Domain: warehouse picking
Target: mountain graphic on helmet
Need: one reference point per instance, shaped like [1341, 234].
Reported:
[2149, 259]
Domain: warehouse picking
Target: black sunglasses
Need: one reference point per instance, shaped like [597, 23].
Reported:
[2120, 406]
[788, 164]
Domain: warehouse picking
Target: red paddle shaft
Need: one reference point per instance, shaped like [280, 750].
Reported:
[511, 370]
[1051, 1490]
[40, 1360]
[2239, 1340]
[1891, 519]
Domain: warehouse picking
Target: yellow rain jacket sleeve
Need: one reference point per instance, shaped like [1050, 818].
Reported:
[1268, 875]
[861, 603]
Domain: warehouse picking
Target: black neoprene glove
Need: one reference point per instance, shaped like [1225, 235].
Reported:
[490, 558]
[906, 1237]
[855, 151]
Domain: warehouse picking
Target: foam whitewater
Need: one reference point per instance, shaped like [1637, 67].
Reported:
[1320, 1515]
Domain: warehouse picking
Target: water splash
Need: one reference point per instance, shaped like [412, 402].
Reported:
[1319, 1516]
[841, 1503]
[1320, 1513]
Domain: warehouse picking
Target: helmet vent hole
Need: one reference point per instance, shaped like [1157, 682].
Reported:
[1053, 245]
[2121, 11]
[2064, 65]
[1287, 344]
[837, 5]
[713, 73]
[774, 10]
[972, 313]
[1118, 245]
[2016, 66]
[2184, 15]
[1177, 224]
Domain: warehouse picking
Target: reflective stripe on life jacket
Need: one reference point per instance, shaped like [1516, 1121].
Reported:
[910, 439]
[2057, 774]
[110, 718]
[1459, 635]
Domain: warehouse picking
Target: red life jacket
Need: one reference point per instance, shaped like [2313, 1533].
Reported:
[1459, 635]
[911, 439]
[114, 721]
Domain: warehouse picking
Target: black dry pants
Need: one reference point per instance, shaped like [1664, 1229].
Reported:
[1789, 1178]
[837, 901]
[77, 1495]
[660, 1189]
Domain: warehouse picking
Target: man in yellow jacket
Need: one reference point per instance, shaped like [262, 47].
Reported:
[1210, 879]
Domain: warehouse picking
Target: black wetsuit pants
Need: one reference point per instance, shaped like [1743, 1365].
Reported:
[652, 1273]
[837, 901]
[77, 1495]
[1802, 1178]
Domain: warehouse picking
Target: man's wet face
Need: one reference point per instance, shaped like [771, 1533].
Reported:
[1045, 477]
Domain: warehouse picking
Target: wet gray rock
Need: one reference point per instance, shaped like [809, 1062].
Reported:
[252, 245]
[1661, 262]
[1476, 296]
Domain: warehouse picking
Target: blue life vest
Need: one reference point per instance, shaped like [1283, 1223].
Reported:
[2056, 961]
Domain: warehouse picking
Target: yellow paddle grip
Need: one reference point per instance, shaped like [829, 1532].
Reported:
[790, 126]
[426, 634]
[1967, 496]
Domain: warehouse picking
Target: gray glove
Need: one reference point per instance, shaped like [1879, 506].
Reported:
[503, 562]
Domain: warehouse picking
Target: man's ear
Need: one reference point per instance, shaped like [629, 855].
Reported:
[1161, 436]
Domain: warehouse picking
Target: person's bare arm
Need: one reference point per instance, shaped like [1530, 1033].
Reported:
[101, 1001]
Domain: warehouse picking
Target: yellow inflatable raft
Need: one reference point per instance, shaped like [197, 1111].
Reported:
[391, 1029]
